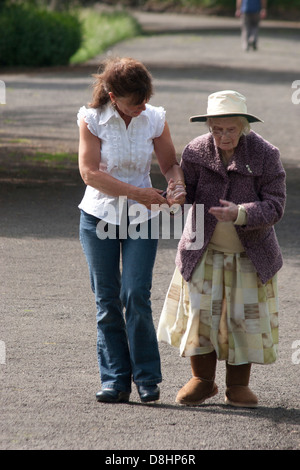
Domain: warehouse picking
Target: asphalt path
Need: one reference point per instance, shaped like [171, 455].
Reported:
[48, 369]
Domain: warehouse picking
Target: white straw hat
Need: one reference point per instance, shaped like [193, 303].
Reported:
[227, 103]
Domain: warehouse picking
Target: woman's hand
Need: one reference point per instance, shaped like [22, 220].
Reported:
[227, 213]
[149, 197]
[176, 192]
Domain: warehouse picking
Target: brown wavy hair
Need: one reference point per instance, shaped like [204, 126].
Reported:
[124, 77]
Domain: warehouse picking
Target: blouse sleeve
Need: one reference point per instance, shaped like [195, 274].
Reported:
[89, 115]
[191, 171]
[158, 119]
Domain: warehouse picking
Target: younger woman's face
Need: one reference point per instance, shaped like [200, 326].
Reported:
[126, 107]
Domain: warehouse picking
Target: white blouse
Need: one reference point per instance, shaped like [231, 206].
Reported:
[126, 154]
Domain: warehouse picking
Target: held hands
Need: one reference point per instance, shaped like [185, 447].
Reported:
[150, 196]
[227, 213]
[176, 192]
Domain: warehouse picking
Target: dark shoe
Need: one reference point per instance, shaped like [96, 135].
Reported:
[148, 393]
[109, 395]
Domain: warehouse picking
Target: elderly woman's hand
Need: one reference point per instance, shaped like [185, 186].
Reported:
[176, 192]
[227, 213]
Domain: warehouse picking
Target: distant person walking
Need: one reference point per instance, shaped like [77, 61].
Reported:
[251, 12]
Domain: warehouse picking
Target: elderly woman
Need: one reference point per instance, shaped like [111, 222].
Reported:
[222, 303]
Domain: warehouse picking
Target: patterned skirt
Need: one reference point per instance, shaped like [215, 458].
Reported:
[224, 307]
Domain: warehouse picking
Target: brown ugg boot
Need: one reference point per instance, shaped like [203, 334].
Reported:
[201, 386]
[237, 391]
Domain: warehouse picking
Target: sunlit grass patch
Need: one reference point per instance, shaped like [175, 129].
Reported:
[102, 30]
[57, 160]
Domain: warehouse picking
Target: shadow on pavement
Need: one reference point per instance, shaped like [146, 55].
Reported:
[275, 414]
[48, 208]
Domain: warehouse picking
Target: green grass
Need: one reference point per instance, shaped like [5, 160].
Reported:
[103, 30]
[18, 141]
[57, 160]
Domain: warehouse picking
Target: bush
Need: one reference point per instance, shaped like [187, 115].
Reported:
[34, 37]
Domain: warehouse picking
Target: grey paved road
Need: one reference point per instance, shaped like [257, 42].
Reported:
[47, 328]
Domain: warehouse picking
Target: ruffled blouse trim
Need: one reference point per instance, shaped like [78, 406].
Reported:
[113, 153]
[89, 116]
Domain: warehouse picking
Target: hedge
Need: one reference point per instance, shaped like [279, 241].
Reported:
[35, 37]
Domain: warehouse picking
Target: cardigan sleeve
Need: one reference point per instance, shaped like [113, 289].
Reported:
[269, 209]
[191, 176]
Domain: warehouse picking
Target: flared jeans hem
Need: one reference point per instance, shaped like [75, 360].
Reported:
[127, 345]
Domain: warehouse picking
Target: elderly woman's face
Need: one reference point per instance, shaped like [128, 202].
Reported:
[226, 132]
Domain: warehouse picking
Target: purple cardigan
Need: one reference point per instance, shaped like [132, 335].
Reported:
[255, 178]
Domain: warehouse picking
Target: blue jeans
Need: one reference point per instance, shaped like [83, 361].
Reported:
[126, 345]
